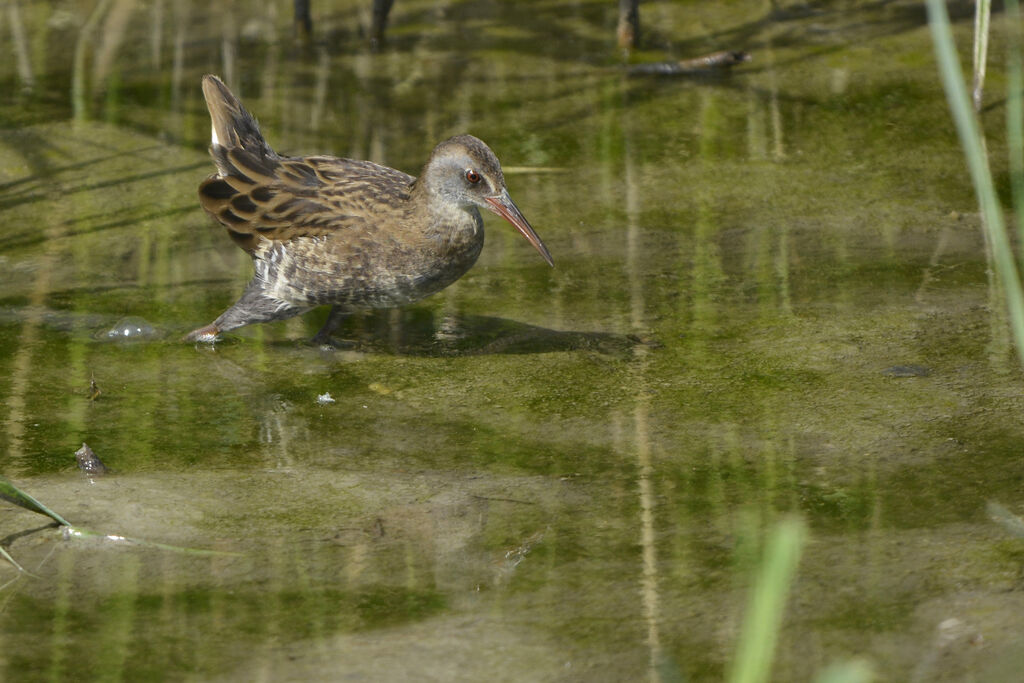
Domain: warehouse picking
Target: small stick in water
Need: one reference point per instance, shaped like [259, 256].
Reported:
[715, 61]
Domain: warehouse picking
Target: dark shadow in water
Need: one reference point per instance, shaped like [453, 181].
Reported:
[100, 184]
[11, 538]
[414, 333]
[36, 238]
[420, 335]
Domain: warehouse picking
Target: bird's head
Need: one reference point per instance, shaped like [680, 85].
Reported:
[464, 172]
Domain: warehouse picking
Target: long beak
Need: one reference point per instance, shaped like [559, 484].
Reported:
[503, 205]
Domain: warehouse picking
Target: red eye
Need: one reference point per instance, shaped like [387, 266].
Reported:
[472, 176]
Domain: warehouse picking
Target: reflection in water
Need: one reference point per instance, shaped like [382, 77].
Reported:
[649, 581]
[21, 371]
[84, 42]
[640, 442]
[563, 473]
[19, 42]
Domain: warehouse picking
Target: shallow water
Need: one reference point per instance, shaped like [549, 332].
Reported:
[771, 297]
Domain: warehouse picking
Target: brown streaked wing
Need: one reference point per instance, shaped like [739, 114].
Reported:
[284, 198]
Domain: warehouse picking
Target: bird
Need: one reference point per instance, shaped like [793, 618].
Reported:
[356, 235]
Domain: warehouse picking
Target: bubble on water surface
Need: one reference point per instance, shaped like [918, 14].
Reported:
[130, 328]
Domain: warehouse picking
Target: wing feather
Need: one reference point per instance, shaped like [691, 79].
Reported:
[261, 197]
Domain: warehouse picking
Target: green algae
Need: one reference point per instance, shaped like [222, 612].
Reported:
[739, 261]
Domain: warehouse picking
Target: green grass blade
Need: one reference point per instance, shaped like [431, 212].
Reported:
[761, 624]
[12, 494]
[977, 162]
[76, 532]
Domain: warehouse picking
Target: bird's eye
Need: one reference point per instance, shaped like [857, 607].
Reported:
[472, 176]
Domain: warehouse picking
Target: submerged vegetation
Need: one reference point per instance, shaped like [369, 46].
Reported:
[747, 429]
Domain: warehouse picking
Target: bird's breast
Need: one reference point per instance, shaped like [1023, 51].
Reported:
[361, 271]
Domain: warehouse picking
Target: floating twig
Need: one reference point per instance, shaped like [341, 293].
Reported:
[715, 61]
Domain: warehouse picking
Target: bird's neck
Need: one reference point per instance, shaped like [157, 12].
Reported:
[451, 225]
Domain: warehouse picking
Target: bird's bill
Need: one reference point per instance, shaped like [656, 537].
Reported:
[503, 205]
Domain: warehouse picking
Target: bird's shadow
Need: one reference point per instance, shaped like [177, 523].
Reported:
[421, 334]
[409, 332]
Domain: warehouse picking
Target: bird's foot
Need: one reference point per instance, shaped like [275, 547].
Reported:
[327, 341]
[323, 337]
[207, 334]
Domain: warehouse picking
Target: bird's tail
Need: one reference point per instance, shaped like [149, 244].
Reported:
[233, 126]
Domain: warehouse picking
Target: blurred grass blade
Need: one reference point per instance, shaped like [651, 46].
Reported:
[1015, 114]
[854, 671]
[1005, 519]
[977, 161]
[13, 494]
[982, 15]
[763, 619]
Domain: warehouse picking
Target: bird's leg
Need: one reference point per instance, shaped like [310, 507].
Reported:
[253, 307]
[334, 318]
